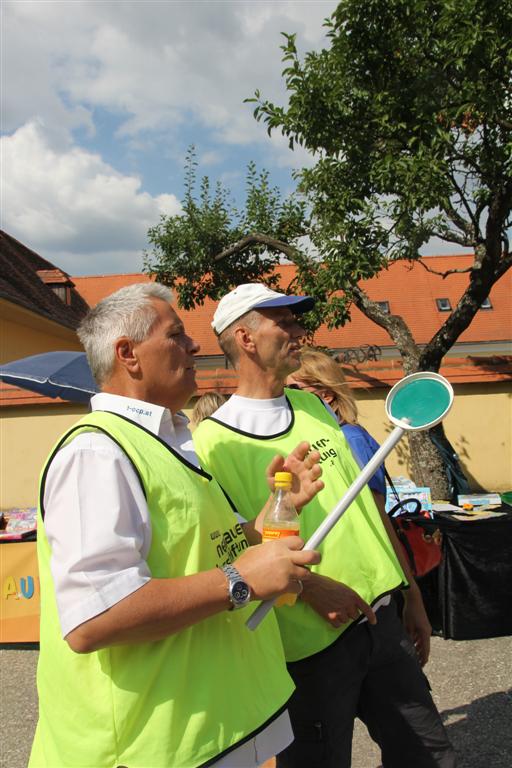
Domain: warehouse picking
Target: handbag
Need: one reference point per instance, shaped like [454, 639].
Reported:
[422, 546]
[420, 537]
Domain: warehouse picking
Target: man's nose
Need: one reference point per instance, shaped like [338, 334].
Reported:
[193, 346]
[298, 329]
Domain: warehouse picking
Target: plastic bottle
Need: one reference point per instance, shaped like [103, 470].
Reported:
[281, 520]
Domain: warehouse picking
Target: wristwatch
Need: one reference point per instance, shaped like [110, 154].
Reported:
[239, 591]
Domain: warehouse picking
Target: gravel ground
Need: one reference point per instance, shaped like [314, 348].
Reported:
[471, 681]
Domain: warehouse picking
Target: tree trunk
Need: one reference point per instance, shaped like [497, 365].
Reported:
[428, 467]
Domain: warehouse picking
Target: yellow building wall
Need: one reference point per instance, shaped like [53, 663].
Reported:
[24, 333]
[479, 426]
[28, 432]
[27, 435]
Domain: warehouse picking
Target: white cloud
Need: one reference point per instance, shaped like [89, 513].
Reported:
[153, 69]
[73, 203]
[36, 43]
[152, 63]
[78, 264]
[209, 158]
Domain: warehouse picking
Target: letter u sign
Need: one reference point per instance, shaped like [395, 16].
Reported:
[27, 587]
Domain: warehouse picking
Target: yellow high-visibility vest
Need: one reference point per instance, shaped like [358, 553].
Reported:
[182, 701]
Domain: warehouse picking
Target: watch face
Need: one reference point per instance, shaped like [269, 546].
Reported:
[240, 591]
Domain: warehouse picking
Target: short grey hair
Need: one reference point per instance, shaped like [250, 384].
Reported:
[226, 338]
[127, 312]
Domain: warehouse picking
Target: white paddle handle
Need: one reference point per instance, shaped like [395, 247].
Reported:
[331, 520]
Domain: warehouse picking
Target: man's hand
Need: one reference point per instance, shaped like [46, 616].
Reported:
[306, 471]
[334, 601]
[305, 468]
[416, 622]
[277, 567]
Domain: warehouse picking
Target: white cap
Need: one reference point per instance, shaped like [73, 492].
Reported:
[249, 296]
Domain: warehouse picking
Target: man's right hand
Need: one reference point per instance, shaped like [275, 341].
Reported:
[277, 567]
[334, 601]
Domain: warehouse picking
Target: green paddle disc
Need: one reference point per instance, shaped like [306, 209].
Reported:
[419, 401]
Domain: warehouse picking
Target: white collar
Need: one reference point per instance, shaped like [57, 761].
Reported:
[260, 404]
[155, 418]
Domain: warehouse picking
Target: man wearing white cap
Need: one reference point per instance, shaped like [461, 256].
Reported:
[346, 649]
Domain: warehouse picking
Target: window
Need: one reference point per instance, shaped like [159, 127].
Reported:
[486, 304]
[62, 291]
[384, 305]
[444, 305]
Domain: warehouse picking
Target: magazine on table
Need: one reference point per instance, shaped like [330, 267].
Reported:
[18, 523]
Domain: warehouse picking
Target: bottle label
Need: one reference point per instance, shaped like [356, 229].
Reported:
[270, 534]
[288, 599]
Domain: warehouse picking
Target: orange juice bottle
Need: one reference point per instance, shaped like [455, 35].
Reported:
[281, 520]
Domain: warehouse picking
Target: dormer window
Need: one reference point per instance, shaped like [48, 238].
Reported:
[486, 304]
[384, 306]
[58, 282]
[444, 305]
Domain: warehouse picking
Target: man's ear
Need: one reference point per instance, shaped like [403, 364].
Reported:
[243, 338]
[126, 356]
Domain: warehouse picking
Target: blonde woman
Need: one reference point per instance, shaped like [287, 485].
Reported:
[320, 374]
[205, 406]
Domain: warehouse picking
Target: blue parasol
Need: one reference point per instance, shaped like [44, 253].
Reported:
[55, 374]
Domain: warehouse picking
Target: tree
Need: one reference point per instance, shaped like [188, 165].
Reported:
[408, 111]
[192, 251]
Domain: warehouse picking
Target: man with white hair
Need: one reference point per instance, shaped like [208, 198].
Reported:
[348, 652]
[145, 659]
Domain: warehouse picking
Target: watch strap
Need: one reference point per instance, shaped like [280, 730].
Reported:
[239, 591]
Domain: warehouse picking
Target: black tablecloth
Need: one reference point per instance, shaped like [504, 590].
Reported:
[469, 596]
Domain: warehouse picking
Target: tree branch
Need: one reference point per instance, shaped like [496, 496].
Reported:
[452, 237]
[504, 123]
[257, 239]
[463, 225]
[448, 271]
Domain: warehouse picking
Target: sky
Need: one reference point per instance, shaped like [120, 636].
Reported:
[101, 100]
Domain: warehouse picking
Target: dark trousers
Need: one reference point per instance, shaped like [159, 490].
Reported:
[371, 673]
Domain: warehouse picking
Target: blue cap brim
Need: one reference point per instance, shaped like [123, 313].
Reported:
[297, 304]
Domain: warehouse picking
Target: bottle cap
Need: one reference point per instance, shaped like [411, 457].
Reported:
[283, 478]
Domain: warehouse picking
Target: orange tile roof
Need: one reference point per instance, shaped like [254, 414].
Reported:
[96, 287]
[411, 292]
[409, 288]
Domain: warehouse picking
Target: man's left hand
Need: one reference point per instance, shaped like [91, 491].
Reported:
[416, 623]
[306, 471]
